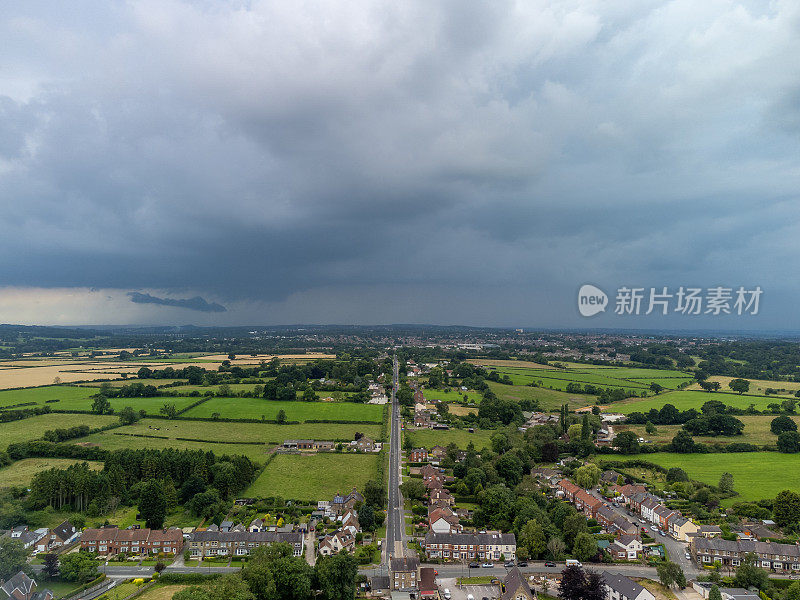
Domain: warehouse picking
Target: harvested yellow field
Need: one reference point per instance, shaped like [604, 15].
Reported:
[757, 386]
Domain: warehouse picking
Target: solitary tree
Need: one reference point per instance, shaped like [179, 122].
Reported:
[281, 416]
[739, 385]
[101, 405]
[726, 482]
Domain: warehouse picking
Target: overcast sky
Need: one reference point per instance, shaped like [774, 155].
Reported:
[448, 162]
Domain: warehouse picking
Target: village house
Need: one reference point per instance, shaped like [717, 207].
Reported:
[568, 489]
[324, 445]
[681, 528]
[619, 587]
[298, 444]
[709, 531]
[441, 496]
[442, 519]
[438, 452]
[490, 546]
[341, 504]
[515, 586]
[57, 537]
[404, 573]
[239, 543]
[26, 537]
[418, 455]
[770, 555]
[427, 584]
[333, 543]
[628, 491]
[586, 503]
[256, 525]
[22, 587]
[110, 541]
[626, 547]
[364, 444]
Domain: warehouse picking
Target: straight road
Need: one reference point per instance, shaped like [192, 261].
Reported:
[395, 518]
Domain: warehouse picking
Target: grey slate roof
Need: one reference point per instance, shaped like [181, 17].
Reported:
[481, 539]
[513, 581]
[622, 585]
[246, 536]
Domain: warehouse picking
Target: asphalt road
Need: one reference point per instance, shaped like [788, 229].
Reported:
[395, 519]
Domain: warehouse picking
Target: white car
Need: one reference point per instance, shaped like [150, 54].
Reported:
[653, 527]
[688, 556]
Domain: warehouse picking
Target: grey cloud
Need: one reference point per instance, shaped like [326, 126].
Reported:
[259, 152]
[197, 303]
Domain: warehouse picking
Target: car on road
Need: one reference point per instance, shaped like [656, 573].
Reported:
[549, 563]
[474, 565]
[522, 564]
[688, 556]
[508, 564]
[653, 527]
[446, 594]
[487, 565]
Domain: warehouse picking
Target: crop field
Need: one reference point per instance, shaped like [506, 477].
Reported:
[756, 431]
[33, 428]
[254, 408]
[686, 399]
[22, 471]
[754, 473]
[314, 476]
[461, 437]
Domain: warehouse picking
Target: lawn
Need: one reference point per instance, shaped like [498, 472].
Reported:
[118, 592]
[161, 592]
[461, 437]
[756, 431]
[33, 428]
[756, 475]
[314, 476]
[61, 589]
[686, 399]
[22, 471]
[254, 408]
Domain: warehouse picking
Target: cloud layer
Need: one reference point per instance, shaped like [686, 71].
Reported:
[464, 161]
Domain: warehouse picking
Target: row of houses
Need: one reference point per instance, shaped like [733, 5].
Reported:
[362, 444]
[110, 541]
[207, 543]
[732, 553]
[488, 546]
[669, 521]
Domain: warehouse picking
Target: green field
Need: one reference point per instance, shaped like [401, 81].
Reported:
[22, 471]
[80, 398]
[314, 476]
[756, 431]
[33, 428]
[451, 395]
[255, 439]
[686, 399]
[756, 475]
[548, 399]
[254, 408]
[429, 438]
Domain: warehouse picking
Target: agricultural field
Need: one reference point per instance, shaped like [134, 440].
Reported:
[489, 362]
[314, 476]
[686, 399]
[22, 471]
[33, 428]
[754, 473]
[461, 437]
[756, 431]
[80, 398]
[548, 399]
[254, 408]
[758, 386]
[251, 439]
[451, 395]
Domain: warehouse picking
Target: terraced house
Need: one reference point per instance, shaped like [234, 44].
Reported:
[770, 555]
[492, 546]
[110, 541]
[239, 543]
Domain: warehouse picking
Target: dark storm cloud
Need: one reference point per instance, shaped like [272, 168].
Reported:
[262, 152]
[197, 303]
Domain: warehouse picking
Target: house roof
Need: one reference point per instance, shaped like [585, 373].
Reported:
[246, 536]
[21, 582]
[513, 581]
[481, 539]
[622, 585]
[427, 580]
[404, 565]
[65, 531]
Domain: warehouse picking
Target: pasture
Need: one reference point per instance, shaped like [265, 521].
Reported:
[80, 398]
[33, 428]
[314, 476]
[756, 431]
[254, 408]
[548, 399]
[451, 395]
[758, 386]
[686, 399]
[429, 438]
[754, 473]
[22, 471]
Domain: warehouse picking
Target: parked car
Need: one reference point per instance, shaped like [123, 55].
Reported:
[549, 563]
[653, 527]
[487, 565]
[474, 565]
[688, 556]
[508, 564]
[446, 594]
[522, 564]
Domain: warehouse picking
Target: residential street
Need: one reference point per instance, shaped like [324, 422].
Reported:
[395, 518]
